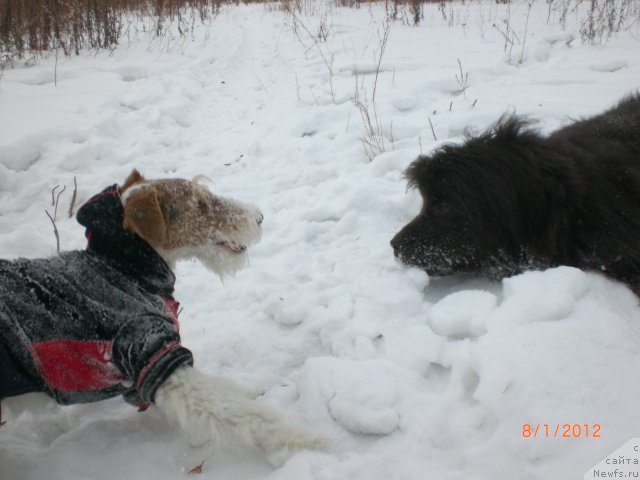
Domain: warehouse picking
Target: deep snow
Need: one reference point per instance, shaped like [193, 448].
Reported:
[408, 377]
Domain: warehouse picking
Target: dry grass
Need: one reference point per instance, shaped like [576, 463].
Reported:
[606, 17]
[35, 28]
[38, 27]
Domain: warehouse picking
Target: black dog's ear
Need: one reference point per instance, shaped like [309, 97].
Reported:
[416, 173]
[510, 127]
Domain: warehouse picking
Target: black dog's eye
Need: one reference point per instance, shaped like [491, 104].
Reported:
[440, 209]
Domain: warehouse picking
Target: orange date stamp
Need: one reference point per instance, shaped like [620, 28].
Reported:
[561, 430]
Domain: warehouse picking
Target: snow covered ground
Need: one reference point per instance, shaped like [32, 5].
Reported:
[409, 377]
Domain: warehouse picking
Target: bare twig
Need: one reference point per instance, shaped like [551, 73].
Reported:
[73, 197]
[463, 79]
[526, 27]
[55, 230]
[55, 211]
[433, 132]
[53, 195]
[55, 68]
[373, 141]
[383, 47]
[327, 61]
[323, 30]
[264, 87]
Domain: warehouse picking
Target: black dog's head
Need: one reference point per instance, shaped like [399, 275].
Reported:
[441, 239]
[490, 205]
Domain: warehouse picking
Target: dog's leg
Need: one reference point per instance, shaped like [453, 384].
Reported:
[207, 407]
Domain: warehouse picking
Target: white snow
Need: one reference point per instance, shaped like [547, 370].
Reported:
[409, 377]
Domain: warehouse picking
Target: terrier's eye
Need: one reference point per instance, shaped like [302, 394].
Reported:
[172, 212]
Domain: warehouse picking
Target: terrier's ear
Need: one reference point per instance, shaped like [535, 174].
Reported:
[142, 215]
[133, 178]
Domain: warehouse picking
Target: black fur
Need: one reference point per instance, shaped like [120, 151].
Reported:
[511, 200]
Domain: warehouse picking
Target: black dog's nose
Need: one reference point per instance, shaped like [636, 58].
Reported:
[394, 245]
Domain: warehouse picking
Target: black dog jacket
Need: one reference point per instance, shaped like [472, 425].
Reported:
[89, 325]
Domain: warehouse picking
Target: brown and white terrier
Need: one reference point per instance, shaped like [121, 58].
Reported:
[137, 232]
[182, 219]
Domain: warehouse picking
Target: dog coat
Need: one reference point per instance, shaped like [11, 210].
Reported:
[89, 325]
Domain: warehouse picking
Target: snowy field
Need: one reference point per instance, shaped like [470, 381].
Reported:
[409, 377]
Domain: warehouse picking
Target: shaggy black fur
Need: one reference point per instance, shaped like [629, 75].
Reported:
[511, 200]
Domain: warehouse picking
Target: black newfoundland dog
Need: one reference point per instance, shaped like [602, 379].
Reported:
[511, 200]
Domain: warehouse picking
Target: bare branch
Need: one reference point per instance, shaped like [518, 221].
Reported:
[53, 195]
[383, 47]
[55, 231]
[73, 198]
[463, 79]
[433, 132]
[55, 211]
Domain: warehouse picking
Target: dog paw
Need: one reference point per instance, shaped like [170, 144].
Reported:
[288, 438]
[233, 388]
[267, 429]
[277, 458]
[209, 407]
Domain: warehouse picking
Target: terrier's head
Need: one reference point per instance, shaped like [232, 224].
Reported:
[182, 219]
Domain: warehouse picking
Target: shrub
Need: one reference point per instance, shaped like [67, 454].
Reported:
[37, 27]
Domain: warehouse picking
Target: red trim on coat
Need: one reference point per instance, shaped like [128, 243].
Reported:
[76, 365]
[170, 306]
[161, 353]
